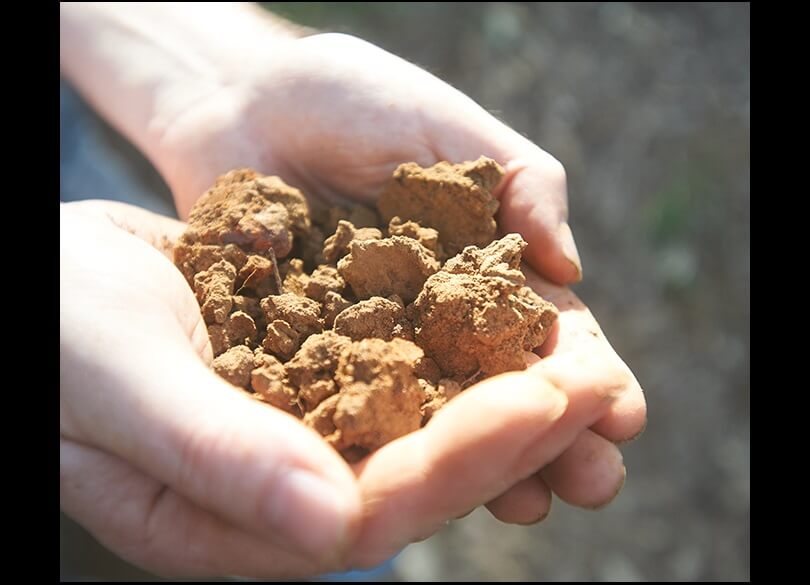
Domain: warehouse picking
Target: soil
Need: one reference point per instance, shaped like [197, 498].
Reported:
[361, 322]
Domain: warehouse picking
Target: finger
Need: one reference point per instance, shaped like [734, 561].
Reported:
[526, 502]
[157, 230]
[463, 458]
[577, 331]
[490, 437]
[598, 473]
[254, 465]
[159, 530]
[589, 474]
[626, 418]
[596, 377]
[533, 198]
[152, 402]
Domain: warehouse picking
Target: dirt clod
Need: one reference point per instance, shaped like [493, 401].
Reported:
[235, 365]
[393, 266]
[375, 317]
[454, 199]
[269, 381]
[438, 396]
[257, 273]
[428, 237]
[474, 315]
[333, 305]
[380, 397]
[294, 279]
[337, 245]
[324, 279]
[194, 258]
[281, 340]
[240, 329]
[250, 210]
[311, 372]
[301, 313]
[366, 337]
[214, 289]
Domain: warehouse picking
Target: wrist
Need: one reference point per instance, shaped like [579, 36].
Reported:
[198, 116]
[148, 67]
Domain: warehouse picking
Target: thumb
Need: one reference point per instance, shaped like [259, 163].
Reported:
[534, 203]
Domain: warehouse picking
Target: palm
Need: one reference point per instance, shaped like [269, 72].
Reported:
[337, 119]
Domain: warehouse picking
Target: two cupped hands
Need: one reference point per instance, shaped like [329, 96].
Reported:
[170, 467]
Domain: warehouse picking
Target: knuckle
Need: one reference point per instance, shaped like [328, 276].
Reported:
[198, 445]
[556, 172]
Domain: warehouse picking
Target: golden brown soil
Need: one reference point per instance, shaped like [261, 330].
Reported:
[382, 319]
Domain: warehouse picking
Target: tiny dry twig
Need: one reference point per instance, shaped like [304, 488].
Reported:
[276, 273]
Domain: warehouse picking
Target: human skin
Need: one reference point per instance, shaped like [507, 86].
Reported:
[205, 91]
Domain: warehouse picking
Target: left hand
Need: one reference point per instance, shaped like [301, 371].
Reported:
[335, 117]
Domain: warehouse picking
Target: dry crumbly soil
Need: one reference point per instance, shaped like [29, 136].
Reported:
[361, 322]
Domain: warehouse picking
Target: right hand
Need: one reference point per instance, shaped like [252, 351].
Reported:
[180, 473]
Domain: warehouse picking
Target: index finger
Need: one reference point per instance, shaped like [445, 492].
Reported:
[577, 331]
[486, 439]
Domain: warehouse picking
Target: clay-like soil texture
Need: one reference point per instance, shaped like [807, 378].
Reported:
[361, 322]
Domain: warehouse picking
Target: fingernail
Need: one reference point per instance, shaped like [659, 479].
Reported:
[467, 513]
[632, 438]
[616, 493]
[309, 513]
[569, 248]
[539, 519]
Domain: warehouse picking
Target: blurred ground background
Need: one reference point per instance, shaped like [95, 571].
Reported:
[648, 107]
